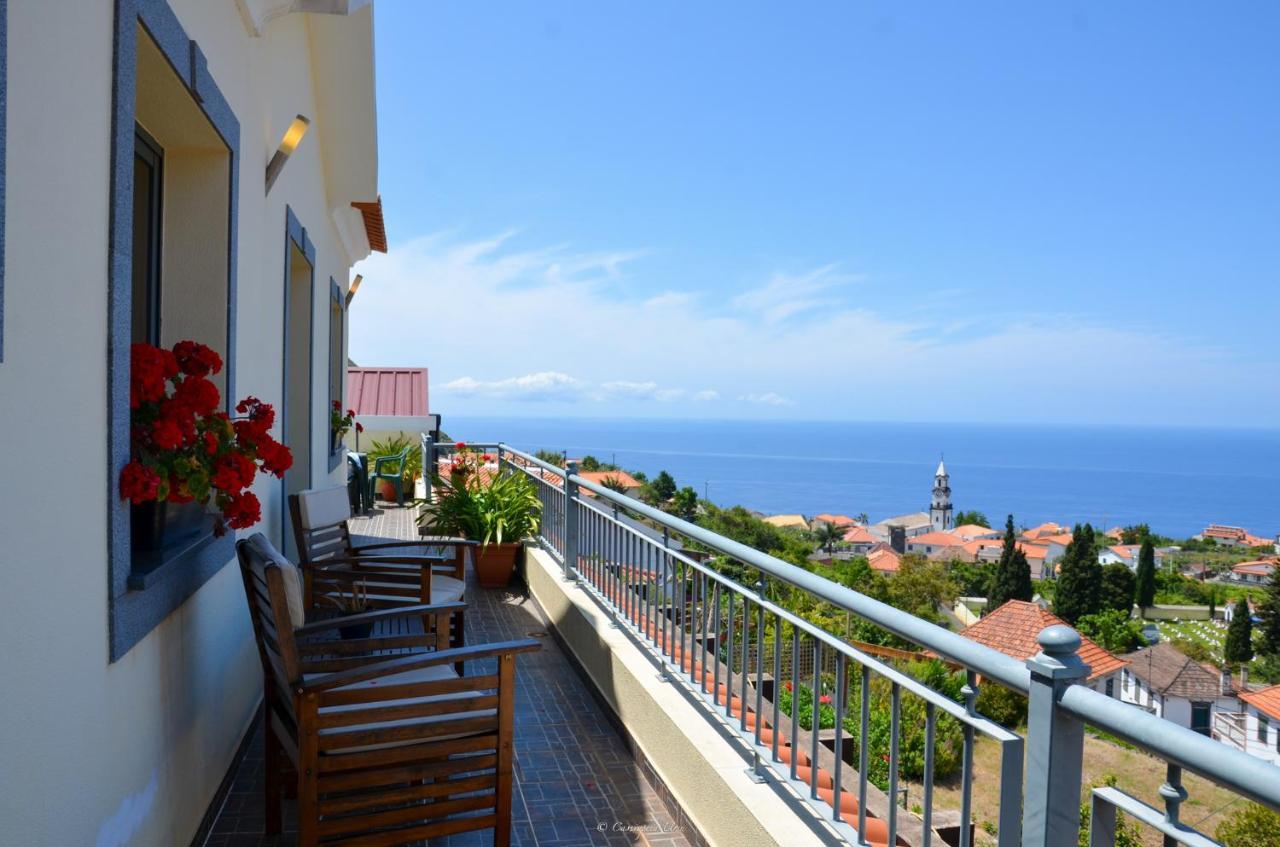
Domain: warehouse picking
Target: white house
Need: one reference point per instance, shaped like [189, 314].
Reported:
[1167, 683]
[137, 207]
[1256, 729]
[1254, 573]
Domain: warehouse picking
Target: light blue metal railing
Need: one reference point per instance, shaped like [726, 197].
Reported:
[710, 632]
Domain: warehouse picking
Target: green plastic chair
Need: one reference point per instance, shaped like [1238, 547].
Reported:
[395, 477]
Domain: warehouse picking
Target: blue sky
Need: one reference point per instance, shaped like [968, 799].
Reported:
[831, 210]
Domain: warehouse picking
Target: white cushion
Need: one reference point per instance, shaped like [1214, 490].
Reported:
[435, 673]
[292, 579]
[324, 507]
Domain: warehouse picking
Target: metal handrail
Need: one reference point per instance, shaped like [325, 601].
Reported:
[1180, 747]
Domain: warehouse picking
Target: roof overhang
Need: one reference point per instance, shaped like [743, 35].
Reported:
[256, 14]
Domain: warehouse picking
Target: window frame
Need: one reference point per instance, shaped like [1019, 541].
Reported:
[137, 603]
[149, 150]
[337, 360]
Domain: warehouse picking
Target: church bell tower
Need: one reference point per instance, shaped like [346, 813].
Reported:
[940, 514]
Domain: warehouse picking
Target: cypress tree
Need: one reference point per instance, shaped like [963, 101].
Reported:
[1117, 588]
[1145, 589]
[1012, 579]
[1079, 590]
[1269, 612]
[1239, 644]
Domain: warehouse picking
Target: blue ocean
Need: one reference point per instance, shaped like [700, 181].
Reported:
[1177, 480]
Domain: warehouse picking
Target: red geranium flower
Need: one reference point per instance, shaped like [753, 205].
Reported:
[359, 427]
[786, 685]
[196, 359]
[138, 483]
[824, 700]
[197, 394]
[242, 510]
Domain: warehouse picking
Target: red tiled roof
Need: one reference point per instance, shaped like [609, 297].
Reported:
[936, 539]
[1033, 551]
[835, 520]
[1257, 540]
[599, 477]
[387, 391]
[1262, 567]
[860, 535]
[1012, 629]
[1223, 531]
[884, 559]
[1265, 700]
[1049, 528]
[971, 531]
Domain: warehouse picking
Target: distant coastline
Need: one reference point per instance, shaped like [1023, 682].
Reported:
[1175, 479]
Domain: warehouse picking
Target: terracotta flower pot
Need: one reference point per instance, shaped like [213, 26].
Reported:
[387, 490]
[495, 563]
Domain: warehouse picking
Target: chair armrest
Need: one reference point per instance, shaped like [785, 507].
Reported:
[421, 561]
[380, 615]
[442, 540]
[424, 660]
[433, 541]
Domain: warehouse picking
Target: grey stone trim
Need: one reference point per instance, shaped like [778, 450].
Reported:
[335, 297]
[296, 233]
[4, 109]
[134, 612]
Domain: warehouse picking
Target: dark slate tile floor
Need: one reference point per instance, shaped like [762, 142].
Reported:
[576, 783]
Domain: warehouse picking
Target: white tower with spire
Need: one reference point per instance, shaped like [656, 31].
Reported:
[940, 514]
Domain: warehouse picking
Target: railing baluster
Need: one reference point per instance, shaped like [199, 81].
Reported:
[863, 743]
[813, 728]
[839, 736]
[895, 728]
[1173, 794]
[930, 727]
[970, 692]
[715, 697]
[795, 696]
[777, 682]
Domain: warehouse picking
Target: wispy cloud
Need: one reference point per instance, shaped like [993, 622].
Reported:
[500, 324]
[769, 398]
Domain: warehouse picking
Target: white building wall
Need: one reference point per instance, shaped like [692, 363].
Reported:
[129, 752]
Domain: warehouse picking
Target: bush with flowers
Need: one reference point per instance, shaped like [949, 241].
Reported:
[184, 447]
[466, 463]
[340, 424]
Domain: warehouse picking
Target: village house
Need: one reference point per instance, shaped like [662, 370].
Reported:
[929, 543]
[859, 540]
[825, 519]
[1012, 629]
[971, 531]
[1127, 554]
[1254, 573]
[1223, 535]
[913, 524]
[630, 485]
[788, 522]
[1255, 729]
[884, 559]
[1167, 683]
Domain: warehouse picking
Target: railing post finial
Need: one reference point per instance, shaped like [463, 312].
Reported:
[1055, 742]
[570, 521]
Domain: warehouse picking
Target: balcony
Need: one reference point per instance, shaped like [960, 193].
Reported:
[661, 709]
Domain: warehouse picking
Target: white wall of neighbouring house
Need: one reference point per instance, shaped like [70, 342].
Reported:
[96, 752]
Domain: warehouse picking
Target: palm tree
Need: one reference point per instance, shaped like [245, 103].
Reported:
[828, 535]
[615, 483]
[862, 518]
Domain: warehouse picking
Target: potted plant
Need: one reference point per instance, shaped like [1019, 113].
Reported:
[393, 447]
[340, 425]
[499, 513]
[465, 464]
[188, 454]
[352, 604]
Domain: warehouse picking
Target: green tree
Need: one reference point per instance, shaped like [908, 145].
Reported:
[1145, 584]
[664, 486]
[972, 579]
[1251, 826]
[972, 517]
[1239, 644]
[1269, 612]
[1135, 534]
[589, 463]
[920, 587]
[828, 536]
[1112, 630]
[1012, 580]
[684, 504]
[551, 457]
[1117, 588]
[614, 483]
[1079, 590]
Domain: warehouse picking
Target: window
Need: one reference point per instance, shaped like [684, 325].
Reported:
[1111, 687]
[1262, 728]
[148, 185]
[1201, 717]
[174, 169]
[337, 332]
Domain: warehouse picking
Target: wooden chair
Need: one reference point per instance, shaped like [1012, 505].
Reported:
[386, 749]
[331, 562]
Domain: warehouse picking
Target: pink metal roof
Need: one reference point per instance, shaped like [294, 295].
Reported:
[387, 391]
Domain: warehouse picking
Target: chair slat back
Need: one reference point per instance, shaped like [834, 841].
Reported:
[319, 517]
[262, 568]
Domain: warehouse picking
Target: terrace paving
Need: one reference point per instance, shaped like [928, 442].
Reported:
[576, 780]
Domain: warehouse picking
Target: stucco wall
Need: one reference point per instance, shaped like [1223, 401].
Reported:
[130, 752]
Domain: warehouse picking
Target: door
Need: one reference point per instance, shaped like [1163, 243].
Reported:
[1201, 717]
